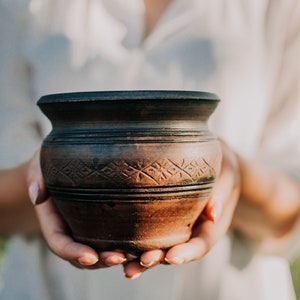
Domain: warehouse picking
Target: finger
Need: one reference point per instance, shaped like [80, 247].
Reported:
[95, 266]
[206, 233]
[194, 249]
[55, 232]
[213, 210]
[106, 259]
[205, 236]
[152, 258]
[133, 269]
[112, 258]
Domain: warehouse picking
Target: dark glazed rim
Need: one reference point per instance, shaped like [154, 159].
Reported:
[127, 95]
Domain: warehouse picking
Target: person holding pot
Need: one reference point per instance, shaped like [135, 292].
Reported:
[243, 52]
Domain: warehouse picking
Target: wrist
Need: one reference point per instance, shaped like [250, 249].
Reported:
[269, 198]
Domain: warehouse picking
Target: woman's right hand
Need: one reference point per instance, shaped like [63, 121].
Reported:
[56, 231]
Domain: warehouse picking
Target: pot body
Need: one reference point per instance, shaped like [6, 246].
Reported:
[130, 170]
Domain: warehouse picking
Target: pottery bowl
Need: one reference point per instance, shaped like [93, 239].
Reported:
[130, 170]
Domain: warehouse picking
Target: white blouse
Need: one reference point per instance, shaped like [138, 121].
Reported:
[244, 51]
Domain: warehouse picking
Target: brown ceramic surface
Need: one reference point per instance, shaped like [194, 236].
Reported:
[130, 170]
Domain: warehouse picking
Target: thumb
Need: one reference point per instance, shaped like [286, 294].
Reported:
[36, 186]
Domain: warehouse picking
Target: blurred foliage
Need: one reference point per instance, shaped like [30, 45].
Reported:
[2, 247]
[295, 269]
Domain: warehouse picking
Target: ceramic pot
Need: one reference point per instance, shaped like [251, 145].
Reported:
[130, 170]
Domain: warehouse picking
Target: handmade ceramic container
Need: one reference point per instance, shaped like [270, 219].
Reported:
[130, 170]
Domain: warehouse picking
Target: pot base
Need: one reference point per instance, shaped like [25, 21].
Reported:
[133, 246]
[132, 224]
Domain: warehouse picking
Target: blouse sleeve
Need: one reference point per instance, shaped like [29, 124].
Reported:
[280, 141]
[20, 133]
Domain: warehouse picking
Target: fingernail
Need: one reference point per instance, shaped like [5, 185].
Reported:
[216, 211]
[135, 276]
[131, 257]
[88, 259]
[175, 260]
[148, 265]
[114, 260]
[33, 191]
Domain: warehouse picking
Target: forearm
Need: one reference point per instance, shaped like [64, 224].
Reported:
[16, 211]
[270, 201]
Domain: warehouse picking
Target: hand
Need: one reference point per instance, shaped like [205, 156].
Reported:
[212, 224]
[55, 230]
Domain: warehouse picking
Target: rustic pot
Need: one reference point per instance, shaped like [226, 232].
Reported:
[130, 170]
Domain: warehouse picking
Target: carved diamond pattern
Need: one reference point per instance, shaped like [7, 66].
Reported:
[145, 172]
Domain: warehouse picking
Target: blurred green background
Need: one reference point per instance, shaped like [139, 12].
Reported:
[295, 267]
[2, 247]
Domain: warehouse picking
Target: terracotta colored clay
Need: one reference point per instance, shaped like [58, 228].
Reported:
[130, 170]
